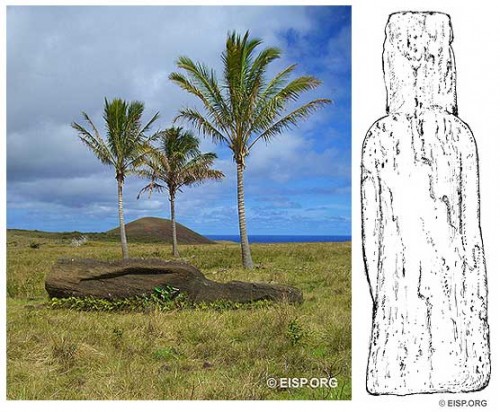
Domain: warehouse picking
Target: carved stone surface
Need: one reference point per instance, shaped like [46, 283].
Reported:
[135, 277]
[422, 242]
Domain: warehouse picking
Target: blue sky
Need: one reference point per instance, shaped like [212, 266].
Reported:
[65, 60]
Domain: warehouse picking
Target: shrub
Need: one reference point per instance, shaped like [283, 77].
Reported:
[35, 245]
[79, 241]
[295, 332]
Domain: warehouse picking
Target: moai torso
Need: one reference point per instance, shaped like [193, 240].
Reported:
[422, 242]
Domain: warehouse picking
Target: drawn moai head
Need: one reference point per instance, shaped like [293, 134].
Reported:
[419, 65]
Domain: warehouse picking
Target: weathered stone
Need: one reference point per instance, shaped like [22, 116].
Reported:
[135, 277]
[422, 242]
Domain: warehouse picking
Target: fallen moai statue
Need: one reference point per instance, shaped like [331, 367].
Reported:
[136, 277]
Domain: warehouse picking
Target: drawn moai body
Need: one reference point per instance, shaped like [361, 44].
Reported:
[422, 242]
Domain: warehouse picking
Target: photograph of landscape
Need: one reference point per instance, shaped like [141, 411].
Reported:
[178, 202]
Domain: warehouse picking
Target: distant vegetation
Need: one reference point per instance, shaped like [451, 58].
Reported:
[144, 230]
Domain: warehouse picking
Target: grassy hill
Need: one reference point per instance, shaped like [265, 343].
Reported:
[155, 229]
[144, 230]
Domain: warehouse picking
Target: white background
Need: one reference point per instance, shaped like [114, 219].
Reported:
[476, 45]
[476, 26]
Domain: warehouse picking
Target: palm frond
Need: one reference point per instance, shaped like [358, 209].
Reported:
[126, 146]
[244, 107]
[150, 188]
[178, 161]
[137, 156]
[94, 143]
[296, 87]
[115, 119]
[148, 125]
[272, 108]
[202, 83]
[199, 169]
[277, 82]
[145, 173]
[290, 120]
[202, 124]
[237, 60]
[92, 125]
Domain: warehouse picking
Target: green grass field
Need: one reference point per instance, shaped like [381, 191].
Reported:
[203, 353]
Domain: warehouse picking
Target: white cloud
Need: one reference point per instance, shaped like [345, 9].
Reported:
[64, 60]
[293, 156]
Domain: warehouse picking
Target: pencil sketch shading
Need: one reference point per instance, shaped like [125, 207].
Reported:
[422, 244]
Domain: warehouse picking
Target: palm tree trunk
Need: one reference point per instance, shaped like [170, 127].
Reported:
[175, 252]
[245, 246]
[123, 235]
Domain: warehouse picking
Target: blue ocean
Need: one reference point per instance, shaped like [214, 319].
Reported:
[282, 238]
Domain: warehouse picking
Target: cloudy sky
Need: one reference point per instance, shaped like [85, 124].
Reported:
[65, 60]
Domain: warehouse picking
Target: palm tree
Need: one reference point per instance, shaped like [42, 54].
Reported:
[177, 162]
[125, 146]
[243, 108]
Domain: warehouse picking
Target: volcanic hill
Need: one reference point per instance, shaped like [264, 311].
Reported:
[155, 229]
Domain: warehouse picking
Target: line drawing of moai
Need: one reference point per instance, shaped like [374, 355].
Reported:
[421, 236]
